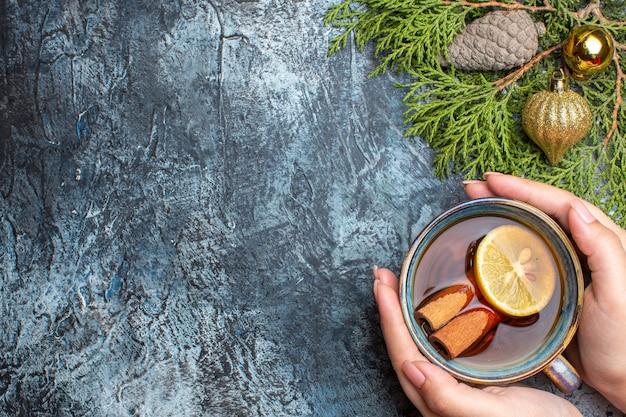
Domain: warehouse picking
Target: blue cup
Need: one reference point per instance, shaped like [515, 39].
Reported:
[531, 354]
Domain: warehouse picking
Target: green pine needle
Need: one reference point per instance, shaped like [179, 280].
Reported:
[471, 121]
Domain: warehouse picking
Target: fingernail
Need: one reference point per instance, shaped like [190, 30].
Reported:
[468, 182]
[376, 284]
[375, 271]
[491, 173]
[582, 211]
[414, 375]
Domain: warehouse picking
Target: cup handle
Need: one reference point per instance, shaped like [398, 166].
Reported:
[563, 375]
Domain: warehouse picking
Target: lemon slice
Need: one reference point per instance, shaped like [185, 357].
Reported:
[515, 270]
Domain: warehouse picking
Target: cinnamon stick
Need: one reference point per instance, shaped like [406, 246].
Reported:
[464, 331]
[442, 306]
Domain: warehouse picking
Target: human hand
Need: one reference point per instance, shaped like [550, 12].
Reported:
[599, 349]
[435, 392]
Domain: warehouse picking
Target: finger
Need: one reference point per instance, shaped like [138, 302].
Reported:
[537, 194]
[477, 189]
[515, 188]
[551, 200]
[400, 344]
[447, 397]
[606, 257]
[386, 277]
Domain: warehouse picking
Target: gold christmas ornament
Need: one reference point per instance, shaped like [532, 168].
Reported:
[556, 118]
[588, 50]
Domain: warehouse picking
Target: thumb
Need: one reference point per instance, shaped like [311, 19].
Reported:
[447, 397]
[606, 257]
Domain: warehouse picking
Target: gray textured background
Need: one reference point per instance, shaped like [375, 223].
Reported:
[192, 197]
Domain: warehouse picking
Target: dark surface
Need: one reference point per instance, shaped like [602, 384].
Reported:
[192, 198]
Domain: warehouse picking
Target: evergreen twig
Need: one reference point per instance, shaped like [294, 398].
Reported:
[471, 118]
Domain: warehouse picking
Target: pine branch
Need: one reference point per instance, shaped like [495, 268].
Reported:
[472, 118]
[503, 5]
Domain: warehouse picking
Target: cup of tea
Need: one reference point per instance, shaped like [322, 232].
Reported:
[456, 311]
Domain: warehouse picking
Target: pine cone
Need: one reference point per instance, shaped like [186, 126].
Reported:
[497, 41]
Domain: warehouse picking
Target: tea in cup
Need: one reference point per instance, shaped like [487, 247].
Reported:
[450, 290]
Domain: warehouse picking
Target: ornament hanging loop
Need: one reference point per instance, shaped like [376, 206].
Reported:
[558, 83]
